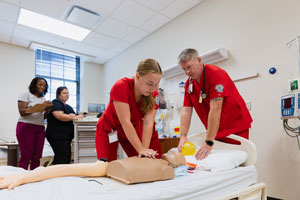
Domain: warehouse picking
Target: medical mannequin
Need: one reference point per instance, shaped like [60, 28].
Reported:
[83, 169]
[137, 170]
[141, 166]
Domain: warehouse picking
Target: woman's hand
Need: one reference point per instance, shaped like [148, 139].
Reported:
[48, 108]
[78, 117]
[148, 153]
[12, 181]
[47, 102]
[72, 116]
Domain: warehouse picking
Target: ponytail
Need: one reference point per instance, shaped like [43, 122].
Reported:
[146, 66]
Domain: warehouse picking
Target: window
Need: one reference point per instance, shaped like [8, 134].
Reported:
[59, 70]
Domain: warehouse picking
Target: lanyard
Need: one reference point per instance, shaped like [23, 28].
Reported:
[203, 90]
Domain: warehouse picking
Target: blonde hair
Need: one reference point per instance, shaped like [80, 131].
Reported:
[148, 66]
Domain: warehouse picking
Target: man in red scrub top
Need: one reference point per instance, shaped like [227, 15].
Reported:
[131, 112]
[212, 93]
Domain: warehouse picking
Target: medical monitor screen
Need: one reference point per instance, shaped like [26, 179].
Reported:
[287, 103]
[96, 108]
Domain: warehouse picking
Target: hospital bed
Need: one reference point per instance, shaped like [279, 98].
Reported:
[238, 183]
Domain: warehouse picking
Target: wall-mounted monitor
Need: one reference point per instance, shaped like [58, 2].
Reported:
[96, 108]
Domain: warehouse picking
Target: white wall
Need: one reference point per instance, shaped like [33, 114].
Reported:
[16, 72]
[174, 103]
[17, 68]
[92, 87]
[255, 33]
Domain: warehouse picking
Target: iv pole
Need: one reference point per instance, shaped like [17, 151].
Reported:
[290, 43]
[287, 128]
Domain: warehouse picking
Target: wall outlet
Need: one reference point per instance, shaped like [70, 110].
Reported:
[248, 104]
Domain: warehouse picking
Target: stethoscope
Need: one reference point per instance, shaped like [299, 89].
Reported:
[203, 90]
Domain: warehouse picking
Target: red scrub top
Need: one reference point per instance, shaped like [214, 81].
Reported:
[235, 116]
[123, 91]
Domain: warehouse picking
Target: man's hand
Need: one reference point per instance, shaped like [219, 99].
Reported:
[203, 152]
[183, 139]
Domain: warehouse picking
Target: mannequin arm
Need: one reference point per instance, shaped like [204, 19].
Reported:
[83, 169]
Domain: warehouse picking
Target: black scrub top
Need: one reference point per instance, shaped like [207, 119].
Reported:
[60, 130]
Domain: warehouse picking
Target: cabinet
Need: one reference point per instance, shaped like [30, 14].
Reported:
[12, 153]
[84, 141]
[168, 143]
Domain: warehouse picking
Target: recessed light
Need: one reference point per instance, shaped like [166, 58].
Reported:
[51, 25]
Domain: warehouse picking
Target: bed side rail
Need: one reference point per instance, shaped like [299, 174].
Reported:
[246, 145]
[256, 191]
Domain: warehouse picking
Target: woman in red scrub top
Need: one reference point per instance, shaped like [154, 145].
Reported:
[131, 112]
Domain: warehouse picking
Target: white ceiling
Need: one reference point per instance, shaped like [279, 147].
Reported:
[125, 23]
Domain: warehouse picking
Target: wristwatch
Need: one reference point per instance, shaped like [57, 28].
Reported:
[103, 159]
[209, 142]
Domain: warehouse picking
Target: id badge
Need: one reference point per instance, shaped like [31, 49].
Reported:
[190, 88]
[113, 137]
[200, 98]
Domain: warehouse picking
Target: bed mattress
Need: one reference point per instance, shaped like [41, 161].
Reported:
[200, 185]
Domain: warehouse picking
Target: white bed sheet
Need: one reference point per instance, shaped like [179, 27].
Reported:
[201, 185]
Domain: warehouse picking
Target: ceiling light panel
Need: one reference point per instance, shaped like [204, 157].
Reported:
[51, 8]
[54, 26]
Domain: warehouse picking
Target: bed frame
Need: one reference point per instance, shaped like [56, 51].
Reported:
[254, 192]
